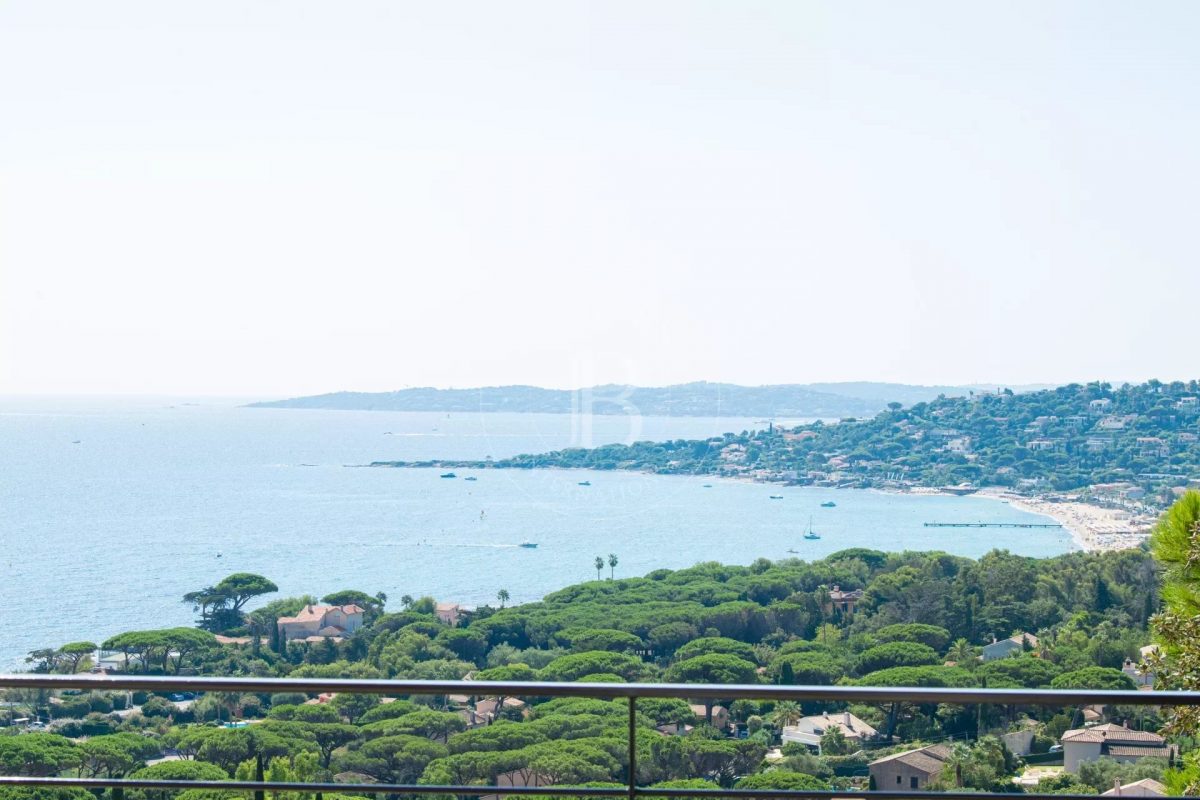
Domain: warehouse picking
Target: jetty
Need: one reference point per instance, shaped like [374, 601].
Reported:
[993, 525]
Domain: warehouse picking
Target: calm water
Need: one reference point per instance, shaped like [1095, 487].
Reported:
[112, 510]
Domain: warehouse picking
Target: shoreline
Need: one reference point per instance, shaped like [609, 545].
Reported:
[1093, 528]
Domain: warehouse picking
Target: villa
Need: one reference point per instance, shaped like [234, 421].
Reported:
[449, 613]
[1009, 646]
[843, 601]
[1113, 741]
[910, 770]
[315, 623]
[809, 730]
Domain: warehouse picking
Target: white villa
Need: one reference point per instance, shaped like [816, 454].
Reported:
[809, 730]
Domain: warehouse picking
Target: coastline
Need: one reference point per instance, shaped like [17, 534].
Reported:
[1094, 528]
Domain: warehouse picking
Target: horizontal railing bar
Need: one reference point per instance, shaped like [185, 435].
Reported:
[862, 694]
[564, 791]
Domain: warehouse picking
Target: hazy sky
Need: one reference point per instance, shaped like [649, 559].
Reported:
[293, 197]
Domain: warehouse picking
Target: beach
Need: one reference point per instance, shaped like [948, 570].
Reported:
[1094, 528]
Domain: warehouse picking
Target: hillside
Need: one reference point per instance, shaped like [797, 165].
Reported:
[833, 400]
[1145, 437]
[858, 617]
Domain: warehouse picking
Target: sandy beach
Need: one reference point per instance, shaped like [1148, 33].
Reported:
[1092, 527]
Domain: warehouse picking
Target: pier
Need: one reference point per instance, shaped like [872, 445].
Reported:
[993, 525]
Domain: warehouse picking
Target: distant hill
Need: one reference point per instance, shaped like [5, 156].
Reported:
[827, 400]
[908, 394]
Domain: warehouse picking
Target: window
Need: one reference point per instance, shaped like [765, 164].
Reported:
[898, 779]
[912, 782]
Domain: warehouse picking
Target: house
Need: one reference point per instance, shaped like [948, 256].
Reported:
[449, 613]
[1099, 405]
[1146, 787]
[1138, 673]
[845, 602]
[720, 715]
[1006, 647]
[1113, 741]
[116, 662]
[809, 730]
[486, 709]
[315, 623]
[912, 769]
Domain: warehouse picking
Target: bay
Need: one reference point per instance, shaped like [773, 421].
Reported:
[111, 509]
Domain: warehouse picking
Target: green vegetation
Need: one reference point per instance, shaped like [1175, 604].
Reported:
[1069, 438]
[711, 623]
[1176, 545]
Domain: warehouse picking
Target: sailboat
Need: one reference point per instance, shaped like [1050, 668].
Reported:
[811, 533]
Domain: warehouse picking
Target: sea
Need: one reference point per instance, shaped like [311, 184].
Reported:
[112, 508]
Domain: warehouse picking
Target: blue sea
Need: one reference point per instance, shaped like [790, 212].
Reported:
[112, 509]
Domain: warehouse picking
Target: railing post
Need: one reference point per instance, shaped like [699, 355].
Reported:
[632, 747]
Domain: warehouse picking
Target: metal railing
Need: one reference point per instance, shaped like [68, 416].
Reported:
[630, 692]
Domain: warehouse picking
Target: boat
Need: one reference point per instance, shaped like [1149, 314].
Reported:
[529, 545]
[585, 483]
[449, 475]
[776, 497]
[793, 550]
[470, 478]
[708, 486]
[811, 533]
[829, 504]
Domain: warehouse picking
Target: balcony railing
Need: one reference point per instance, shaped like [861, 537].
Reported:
[630, 692]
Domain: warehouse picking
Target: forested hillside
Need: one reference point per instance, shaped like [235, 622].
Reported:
[1147, 436]
[920, 620]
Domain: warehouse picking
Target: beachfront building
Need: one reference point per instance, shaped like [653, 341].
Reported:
[315, 623]
[1111, 741]
[809, 730]
[1006, 647]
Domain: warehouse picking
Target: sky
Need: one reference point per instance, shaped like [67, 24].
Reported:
[288, 197]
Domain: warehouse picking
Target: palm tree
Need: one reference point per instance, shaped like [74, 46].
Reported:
[786, 713]
[961, 653]
[612, 565]
[407, 601]
[960, 756]
[599, 566]
[502, 596]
